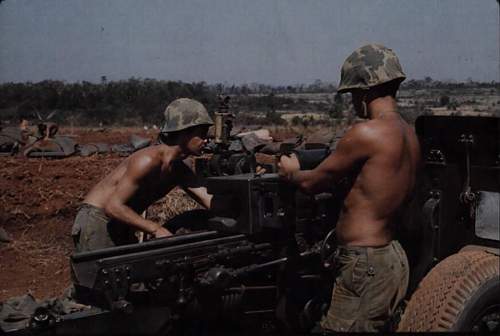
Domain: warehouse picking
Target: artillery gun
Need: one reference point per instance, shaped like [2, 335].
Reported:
[264, 256]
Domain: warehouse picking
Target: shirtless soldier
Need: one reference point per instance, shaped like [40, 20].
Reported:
[110, 213]
[382, 156]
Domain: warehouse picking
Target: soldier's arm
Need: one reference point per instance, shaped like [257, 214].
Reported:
[353, 149]
[190, 183]
[137, 169]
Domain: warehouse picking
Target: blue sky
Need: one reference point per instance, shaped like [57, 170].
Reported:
[241, 41]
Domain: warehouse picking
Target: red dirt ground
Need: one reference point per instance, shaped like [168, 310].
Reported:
[38, 202]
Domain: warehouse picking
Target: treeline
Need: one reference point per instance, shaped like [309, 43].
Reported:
[136, 101]
[429, 83]
[142, 101]
[121, 102]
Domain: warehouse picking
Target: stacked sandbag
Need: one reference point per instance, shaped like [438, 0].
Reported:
[12, 139]
[57, 147]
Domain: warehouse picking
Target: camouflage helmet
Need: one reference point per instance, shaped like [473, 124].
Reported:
[368, 66]
[183, 113]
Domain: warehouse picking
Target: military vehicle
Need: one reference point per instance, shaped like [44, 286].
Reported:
[262, 262]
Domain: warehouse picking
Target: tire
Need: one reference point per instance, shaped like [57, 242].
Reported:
[461, 293]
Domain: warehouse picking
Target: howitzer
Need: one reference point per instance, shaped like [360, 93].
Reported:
[259, 258]
[255, 249]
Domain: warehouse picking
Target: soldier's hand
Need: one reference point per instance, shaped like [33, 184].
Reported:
[259, 170]
[288, 165]
[162, 232]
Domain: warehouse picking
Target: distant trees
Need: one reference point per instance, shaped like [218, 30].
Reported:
[107, 102]
[296, 121]
[337, 108]
[138, 100]
[444, 100]
[428, 82]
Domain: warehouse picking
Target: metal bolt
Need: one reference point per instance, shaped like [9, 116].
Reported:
[41, 317]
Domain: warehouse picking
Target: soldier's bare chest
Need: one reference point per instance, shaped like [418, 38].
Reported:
[154, 187]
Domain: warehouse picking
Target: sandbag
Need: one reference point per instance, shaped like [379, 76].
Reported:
[12, 139]
[16, 312]
[253, 142]
[93, 148]
[138, 142]
[60, 146]
[261, 133]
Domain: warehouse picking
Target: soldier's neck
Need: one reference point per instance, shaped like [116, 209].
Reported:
[175, 152]
[382, 106]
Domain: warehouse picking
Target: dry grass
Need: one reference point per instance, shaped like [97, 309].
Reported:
[175, 203]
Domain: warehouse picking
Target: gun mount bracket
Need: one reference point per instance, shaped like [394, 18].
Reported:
[115, 283]
[436, 156]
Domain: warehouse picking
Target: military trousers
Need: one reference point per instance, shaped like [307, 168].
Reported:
[94, 230]
[370, 283]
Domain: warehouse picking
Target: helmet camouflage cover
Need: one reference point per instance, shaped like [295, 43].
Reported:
[183, 113]
[368, 66]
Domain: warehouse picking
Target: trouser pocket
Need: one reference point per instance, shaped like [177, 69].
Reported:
[344, 309]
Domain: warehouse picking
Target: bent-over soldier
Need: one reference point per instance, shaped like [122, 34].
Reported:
[382, 155]
[110, 213]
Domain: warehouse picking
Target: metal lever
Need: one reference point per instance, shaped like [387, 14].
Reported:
[467, 196]
[429, 212]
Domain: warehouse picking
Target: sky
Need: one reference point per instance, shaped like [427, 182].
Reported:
[241, 41]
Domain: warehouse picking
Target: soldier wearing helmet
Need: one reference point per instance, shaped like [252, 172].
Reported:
[110, 213]
[380, 157]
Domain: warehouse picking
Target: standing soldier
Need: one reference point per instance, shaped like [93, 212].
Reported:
[110, 213]
[382, 154]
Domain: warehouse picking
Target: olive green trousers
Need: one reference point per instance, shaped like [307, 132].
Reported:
[370, 283]
[93, 230]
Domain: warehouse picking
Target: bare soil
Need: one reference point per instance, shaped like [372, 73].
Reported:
[39, 199]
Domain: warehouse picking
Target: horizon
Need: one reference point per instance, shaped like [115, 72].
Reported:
[326, 83]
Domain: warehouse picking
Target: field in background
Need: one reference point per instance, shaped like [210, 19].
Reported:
[321, 108]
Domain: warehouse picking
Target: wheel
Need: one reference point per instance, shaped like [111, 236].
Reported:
[462, 293]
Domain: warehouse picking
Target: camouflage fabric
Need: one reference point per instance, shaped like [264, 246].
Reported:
[183, 113]
[368, 66]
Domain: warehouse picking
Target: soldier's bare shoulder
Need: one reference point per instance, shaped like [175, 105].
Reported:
[362, 132]
[382, 128]
[148, 158]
